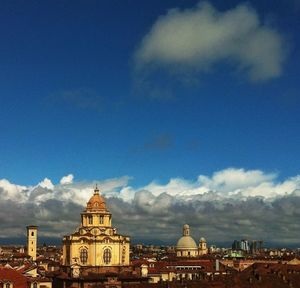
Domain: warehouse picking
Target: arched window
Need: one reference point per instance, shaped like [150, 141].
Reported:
[35, 285]
[107, 256]
[90, 219]
[7, 285]
[32, 233]
[83, 256]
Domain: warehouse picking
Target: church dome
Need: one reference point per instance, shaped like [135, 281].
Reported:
[186, 242]
[96, 202]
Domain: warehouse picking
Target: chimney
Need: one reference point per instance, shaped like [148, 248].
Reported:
[217, 265]
[144, 270]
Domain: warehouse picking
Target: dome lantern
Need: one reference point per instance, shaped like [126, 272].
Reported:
[186, 230]
[96, 190]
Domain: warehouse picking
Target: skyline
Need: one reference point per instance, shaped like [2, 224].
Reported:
[189, 108]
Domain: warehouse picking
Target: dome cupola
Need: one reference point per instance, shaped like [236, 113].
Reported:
[186, 241]
[96, 202]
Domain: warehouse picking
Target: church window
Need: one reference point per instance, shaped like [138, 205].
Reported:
[101, 219]
[32, 233]
[107, 256]
[90, 219]
[35, 285]
[123, 254]
[7, 285]
[83, 256]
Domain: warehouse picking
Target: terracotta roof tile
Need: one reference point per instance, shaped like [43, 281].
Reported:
[18, 280]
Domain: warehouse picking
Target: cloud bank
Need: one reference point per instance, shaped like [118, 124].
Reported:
[197, 39]
[227, 205]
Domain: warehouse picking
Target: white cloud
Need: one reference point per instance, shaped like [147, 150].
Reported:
[234, 180]
[200, 37]
[250, 203]
[12, 191]
[67, 179]
[227, 183]
[46, 183]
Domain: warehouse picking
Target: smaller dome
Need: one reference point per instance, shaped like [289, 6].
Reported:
[186, 242]
[202, 239]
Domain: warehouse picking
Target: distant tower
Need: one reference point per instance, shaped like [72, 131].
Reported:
[32, 241]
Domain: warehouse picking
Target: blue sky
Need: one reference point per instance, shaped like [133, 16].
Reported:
[70, 102]
[182, 111]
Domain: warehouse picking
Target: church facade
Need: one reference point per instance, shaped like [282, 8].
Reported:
[95, 243]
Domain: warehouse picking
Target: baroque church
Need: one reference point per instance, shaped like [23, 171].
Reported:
[95, 245]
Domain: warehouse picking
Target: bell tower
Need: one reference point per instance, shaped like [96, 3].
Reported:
[203, 247]
[32, 241]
